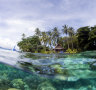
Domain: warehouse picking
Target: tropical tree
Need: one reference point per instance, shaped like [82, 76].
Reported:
[37, 32]
[29, 44]
[71, 34]
[55, 36]
[83, 39]
[65, 31]
[49, 33]
[23, 36]
[83, 36]
[44, 39]
[92, 38]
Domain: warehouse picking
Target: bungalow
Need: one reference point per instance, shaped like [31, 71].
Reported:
[59, 48]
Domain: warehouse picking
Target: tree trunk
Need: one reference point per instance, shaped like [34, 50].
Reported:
[45, 46]
[37, 48]
[67, 43]
[72, 45]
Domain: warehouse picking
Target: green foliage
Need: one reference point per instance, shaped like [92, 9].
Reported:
[43, 42]
[71, 51]
[43, 51]
[92, 38]
[87, 38]
[47, 52]
[83, 35]
[37, 32]
[30, 44]
[56, 35]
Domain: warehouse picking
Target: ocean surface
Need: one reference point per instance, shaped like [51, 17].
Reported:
[31, 71]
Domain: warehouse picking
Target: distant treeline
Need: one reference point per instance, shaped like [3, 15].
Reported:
[81, 39]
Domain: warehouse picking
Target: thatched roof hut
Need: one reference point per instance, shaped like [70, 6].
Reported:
[59, 48]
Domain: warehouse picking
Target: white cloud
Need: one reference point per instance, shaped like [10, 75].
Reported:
[23, 16]
[5, 42]
[11, 35]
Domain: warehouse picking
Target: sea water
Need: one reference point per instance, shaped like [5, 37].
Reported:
[31, 71]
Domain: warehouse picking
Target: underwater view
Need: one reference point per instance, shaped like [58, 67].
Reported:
[47, 44]
[31, 71]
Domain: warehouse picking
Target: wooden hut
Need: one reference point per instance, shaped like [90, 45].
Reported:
[59, 48]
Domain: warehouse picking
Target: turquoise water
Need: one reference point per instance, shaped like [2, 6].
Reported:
[27, 71]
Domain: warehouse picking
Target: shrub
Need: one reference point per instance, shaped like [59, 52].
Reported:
[71, 51]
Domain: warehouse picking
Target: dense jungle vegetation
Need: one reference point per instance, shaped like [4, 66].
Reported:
[71, 40]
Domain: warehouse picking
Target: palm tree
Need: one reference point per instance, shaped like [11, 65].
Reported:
[44, 39]
[23, 36]
[71, 34]
[37, 32]
[55, 36]
[49, 33]
[65, 31]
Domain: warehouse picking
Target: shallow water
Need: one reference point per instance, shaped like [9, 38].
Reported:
[27, 71]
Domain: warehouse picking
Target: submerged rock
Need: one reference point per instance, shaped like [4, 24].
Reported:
[13, 89]
[44, 70]
[72, 78]
[46, 86]
[61, 77]
[93, 65]
[18, 83]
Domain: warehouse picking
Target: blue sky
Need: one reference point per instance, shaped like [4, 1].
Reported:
[23, 16]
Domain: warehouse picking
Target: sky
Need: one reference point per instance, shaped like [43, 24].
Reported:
[23, 16]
